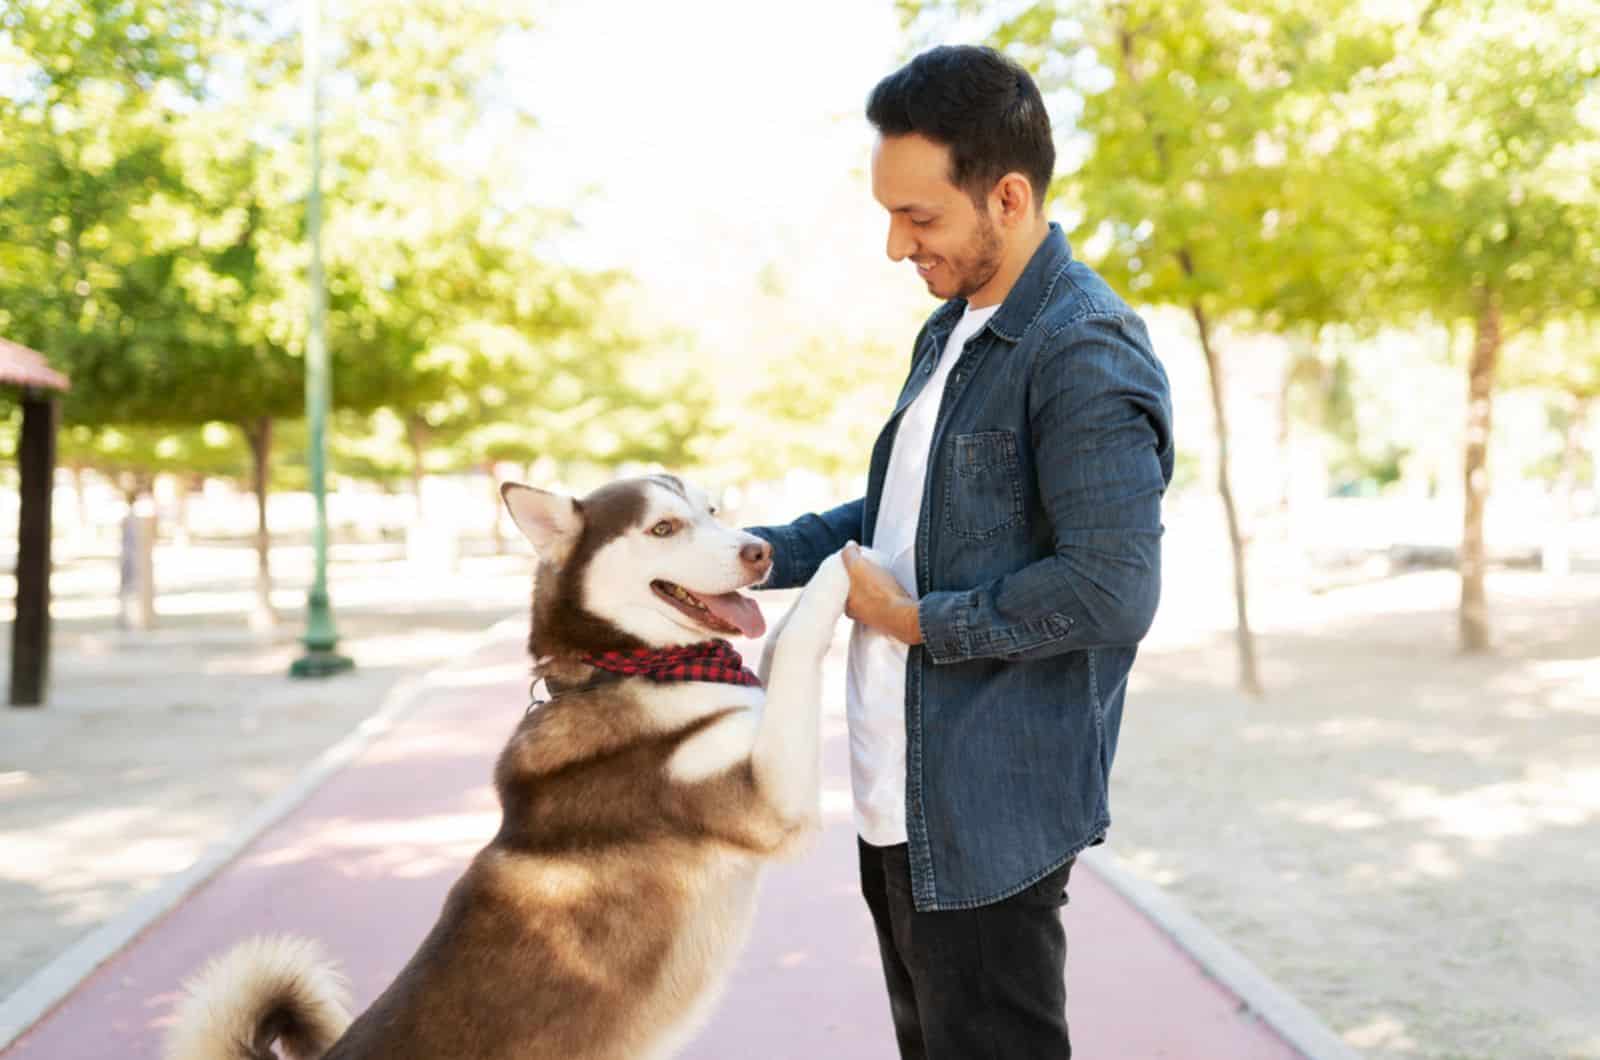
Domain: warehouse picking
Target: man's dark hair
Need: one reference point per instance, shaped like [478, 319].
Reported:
[981, 105]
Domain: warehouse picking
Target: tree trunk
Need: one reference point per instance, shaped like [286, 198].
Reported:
[259, 435]
[180, 529]
[1302, 365]
[416, 434]
[80, 500]
[1555, 552]
[138, 591]
[1249, 675]
[1474, 614]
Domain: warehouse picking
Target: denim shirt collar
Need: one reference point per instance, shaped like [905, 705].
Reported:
[1027, 296]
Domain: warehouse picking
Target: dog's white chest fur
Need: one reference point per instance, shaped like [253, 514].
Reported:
[720, 746]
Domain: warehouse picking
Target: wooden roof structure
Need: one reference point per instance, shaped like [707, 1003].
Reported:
[20, 366]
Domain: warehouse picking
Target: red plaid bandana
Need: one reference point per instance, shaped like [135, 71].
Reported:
[711, 660]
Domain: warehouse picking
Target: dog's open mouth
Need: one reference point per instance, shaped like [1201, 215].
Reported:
[729, 613]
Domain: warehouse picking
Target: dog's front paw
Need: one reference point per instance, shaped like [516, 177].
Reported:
[830, 585]
[822, 603]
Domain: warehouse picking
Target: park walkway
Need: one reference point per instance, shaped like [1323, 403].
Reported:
[363, 862]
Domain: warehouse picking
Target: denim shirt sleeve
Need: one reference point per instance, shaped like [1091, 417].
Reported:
[799, 548]
[1100, 417]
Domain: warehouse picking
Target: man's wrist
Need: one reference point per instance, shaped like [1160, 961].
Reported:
[910, 622]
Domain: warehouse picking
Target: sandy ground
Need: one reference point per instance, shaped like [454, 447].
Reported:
[1406, 839]
[156, 744]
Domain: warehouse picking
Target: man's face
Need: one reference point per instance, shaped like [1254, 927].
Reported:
[955, 245]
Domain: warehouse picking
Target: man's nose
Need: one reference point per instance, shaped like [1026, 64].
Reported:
[900, 245]
[757, 554]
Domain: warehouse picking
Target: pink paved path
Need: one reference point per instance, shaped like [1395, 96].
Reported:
[364, 862]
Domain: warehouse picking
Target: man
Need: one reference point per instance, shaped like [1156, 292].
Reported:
[1016, 493]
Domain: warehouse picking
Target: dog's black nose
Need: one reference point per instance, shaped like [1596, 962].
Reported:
[756, 554]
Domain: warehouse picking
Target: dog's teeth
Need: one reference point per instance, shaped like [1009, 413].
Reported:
[686, 598]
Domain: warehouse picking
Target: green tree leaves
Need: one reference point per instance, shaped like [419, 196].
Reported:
[1282, 165]
[152, 190]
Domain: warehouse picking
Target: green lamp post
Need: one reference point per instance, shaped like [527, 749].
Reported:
[320, 659]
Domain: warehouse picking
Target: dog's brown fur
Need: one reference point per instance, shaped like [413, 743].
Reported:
[598, 922]
[561, 627]
[575, 909]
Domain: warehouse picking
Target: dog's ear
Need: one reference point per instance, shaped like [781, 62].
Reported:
[551, 522]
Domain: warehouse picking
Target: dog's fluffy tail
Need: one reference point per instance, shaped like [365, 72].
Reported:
[261, 992]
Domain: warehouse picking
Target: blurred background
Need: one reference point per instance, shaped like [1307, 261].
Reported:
[564, 241]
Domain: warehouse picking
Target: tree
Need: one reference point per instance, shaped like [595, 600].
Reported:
[1196, 183]
[103, 245]
[1283, 165]
[1476, 156]
[85, 273]
[446, 308]
[151, 233]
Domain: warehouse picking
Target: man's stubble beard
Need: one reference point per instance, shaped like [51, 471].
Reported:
[978, 266]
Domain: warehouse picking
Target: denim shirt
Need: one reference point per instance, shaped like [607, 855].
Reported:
[1038, 556]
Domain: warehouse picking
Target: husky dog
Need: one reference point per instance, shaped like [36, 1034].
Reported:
[637, 812]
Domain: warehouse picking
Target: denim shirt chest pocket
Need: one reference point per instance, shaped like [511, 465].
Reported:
[983, 491]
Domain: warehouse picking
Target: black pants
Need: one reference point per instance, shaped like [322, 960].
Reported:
[971, 984]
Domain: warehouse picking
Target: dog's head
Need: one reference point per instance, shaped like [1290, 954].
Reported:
[638, 563]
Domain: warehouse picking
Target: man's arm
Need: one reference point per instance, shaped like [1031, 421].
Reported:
[799, 548]
[1101, 418]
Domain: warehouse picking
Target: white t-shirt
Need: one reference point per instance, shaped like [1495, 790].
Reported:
[875, 691]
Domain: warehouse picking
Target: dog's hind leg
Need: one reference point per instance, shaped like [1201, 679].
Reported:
[787, 752]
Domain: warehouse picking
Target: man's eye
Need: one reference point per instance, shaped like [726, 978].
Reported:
[922, 222]
[663, 529]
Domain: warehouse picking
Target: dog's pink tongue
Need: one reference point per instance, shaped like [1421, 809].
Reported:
[737, 610]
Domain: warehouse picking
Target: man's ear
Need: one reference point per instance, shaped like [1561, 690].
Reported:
[1015, 197]
[550, 521]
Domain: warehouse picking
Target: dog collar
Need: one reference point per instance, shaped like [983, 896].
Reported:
[711, 660]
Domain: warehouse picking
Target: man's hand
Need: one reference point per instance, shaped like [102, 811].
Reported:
[877, 600]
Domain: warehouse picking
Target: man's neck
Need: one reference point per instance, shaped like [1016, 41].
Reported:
[1012, 265]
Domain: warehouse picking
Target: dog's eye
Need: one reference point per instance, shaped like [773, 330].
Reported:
[663, 529]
